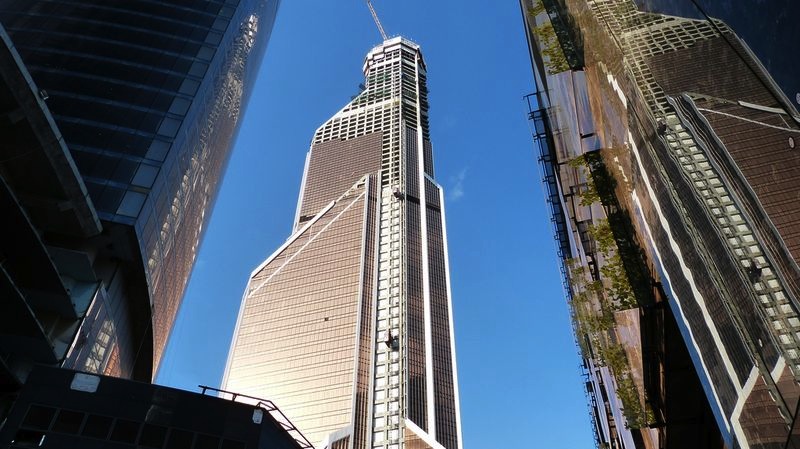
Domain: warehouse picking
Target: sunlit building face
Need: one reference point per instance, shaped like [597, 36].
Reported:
[348, 326]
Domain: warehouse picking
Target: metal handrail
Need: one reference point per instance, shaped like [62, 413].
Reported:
[272, 409]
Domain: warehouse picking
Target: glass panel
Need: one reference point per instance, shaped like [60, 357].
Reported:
[131, 203]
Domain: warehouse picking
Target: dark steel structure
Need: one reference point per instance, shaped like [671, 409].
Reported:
[67, 409]
[348, 326]
[139, 102]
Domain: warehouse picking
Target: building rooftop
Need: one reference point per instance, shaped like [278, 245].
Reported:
[379, 51]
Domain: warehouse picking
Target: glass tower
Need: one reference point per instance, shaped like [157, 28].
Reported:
[148, 96]
[669, 158]
[348, 326]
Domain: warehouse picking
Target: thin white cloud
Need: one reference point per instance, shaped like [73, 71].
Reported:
[457, 182]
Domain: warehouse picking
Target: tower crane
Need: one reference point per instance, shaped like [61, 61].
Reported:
[377, 21]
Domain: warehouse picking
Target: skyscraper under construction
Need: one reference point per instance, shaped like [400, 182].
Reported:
[348, 326]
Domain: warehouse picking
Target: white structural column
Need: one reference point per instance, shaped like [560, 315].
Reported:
[387, 386]
[426, 276]
[450, 320]
[386, 381]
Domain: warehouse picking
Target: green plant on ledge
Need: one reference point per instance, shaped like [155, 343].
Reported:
[589, 194]
[636, 415]
[620, 290]
[536, 9]
[593, 320]
[594, 302]
[554, 59]
[593, 307]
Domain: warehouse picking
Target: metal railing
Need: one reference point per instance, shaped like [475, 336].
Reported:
[271, 408]
[542, 136]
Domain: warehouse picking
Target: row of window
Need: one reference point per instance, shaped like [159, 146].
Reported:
[42, 420]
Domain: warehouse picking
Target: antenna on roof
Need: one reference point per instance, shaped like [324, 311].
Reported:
[377, 21]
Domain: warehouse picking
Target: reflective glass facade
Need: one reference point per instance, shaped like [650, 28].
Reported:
[148, 96]
[295, 338]
[348, 327]
[669, 133]
[749, 18]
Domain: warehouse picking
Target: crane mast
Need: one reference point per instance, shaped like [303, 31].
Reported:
[377, 21]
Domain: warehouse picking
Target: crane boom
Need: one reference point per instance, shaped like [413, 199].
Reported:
[377, 21]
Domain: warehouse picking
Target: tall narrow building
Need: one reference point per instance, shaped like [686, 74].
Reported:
[348, 326]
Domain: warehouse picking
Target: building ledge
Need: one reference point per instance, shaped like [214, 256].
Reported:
[36, 161]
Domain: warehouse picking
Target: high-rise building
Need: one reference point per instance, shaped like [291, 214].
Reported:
[135, 104]
[348, 326]
[669, 157]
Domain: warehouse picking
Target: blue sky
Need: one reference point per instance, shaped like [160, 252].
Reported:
[518, 368]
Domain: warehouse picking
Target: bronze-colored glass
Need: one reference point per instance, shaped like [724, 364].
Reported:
[347, 327]
[668, 151]
[298, 326]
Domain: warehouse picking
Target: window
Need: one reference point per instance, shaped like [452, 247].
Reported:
[179, 439]
[125, 431]
[28, 438]
[39, 417]
[68, 422]
[206, 442]
[131, 203]
[97, 427]
[153, 436]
